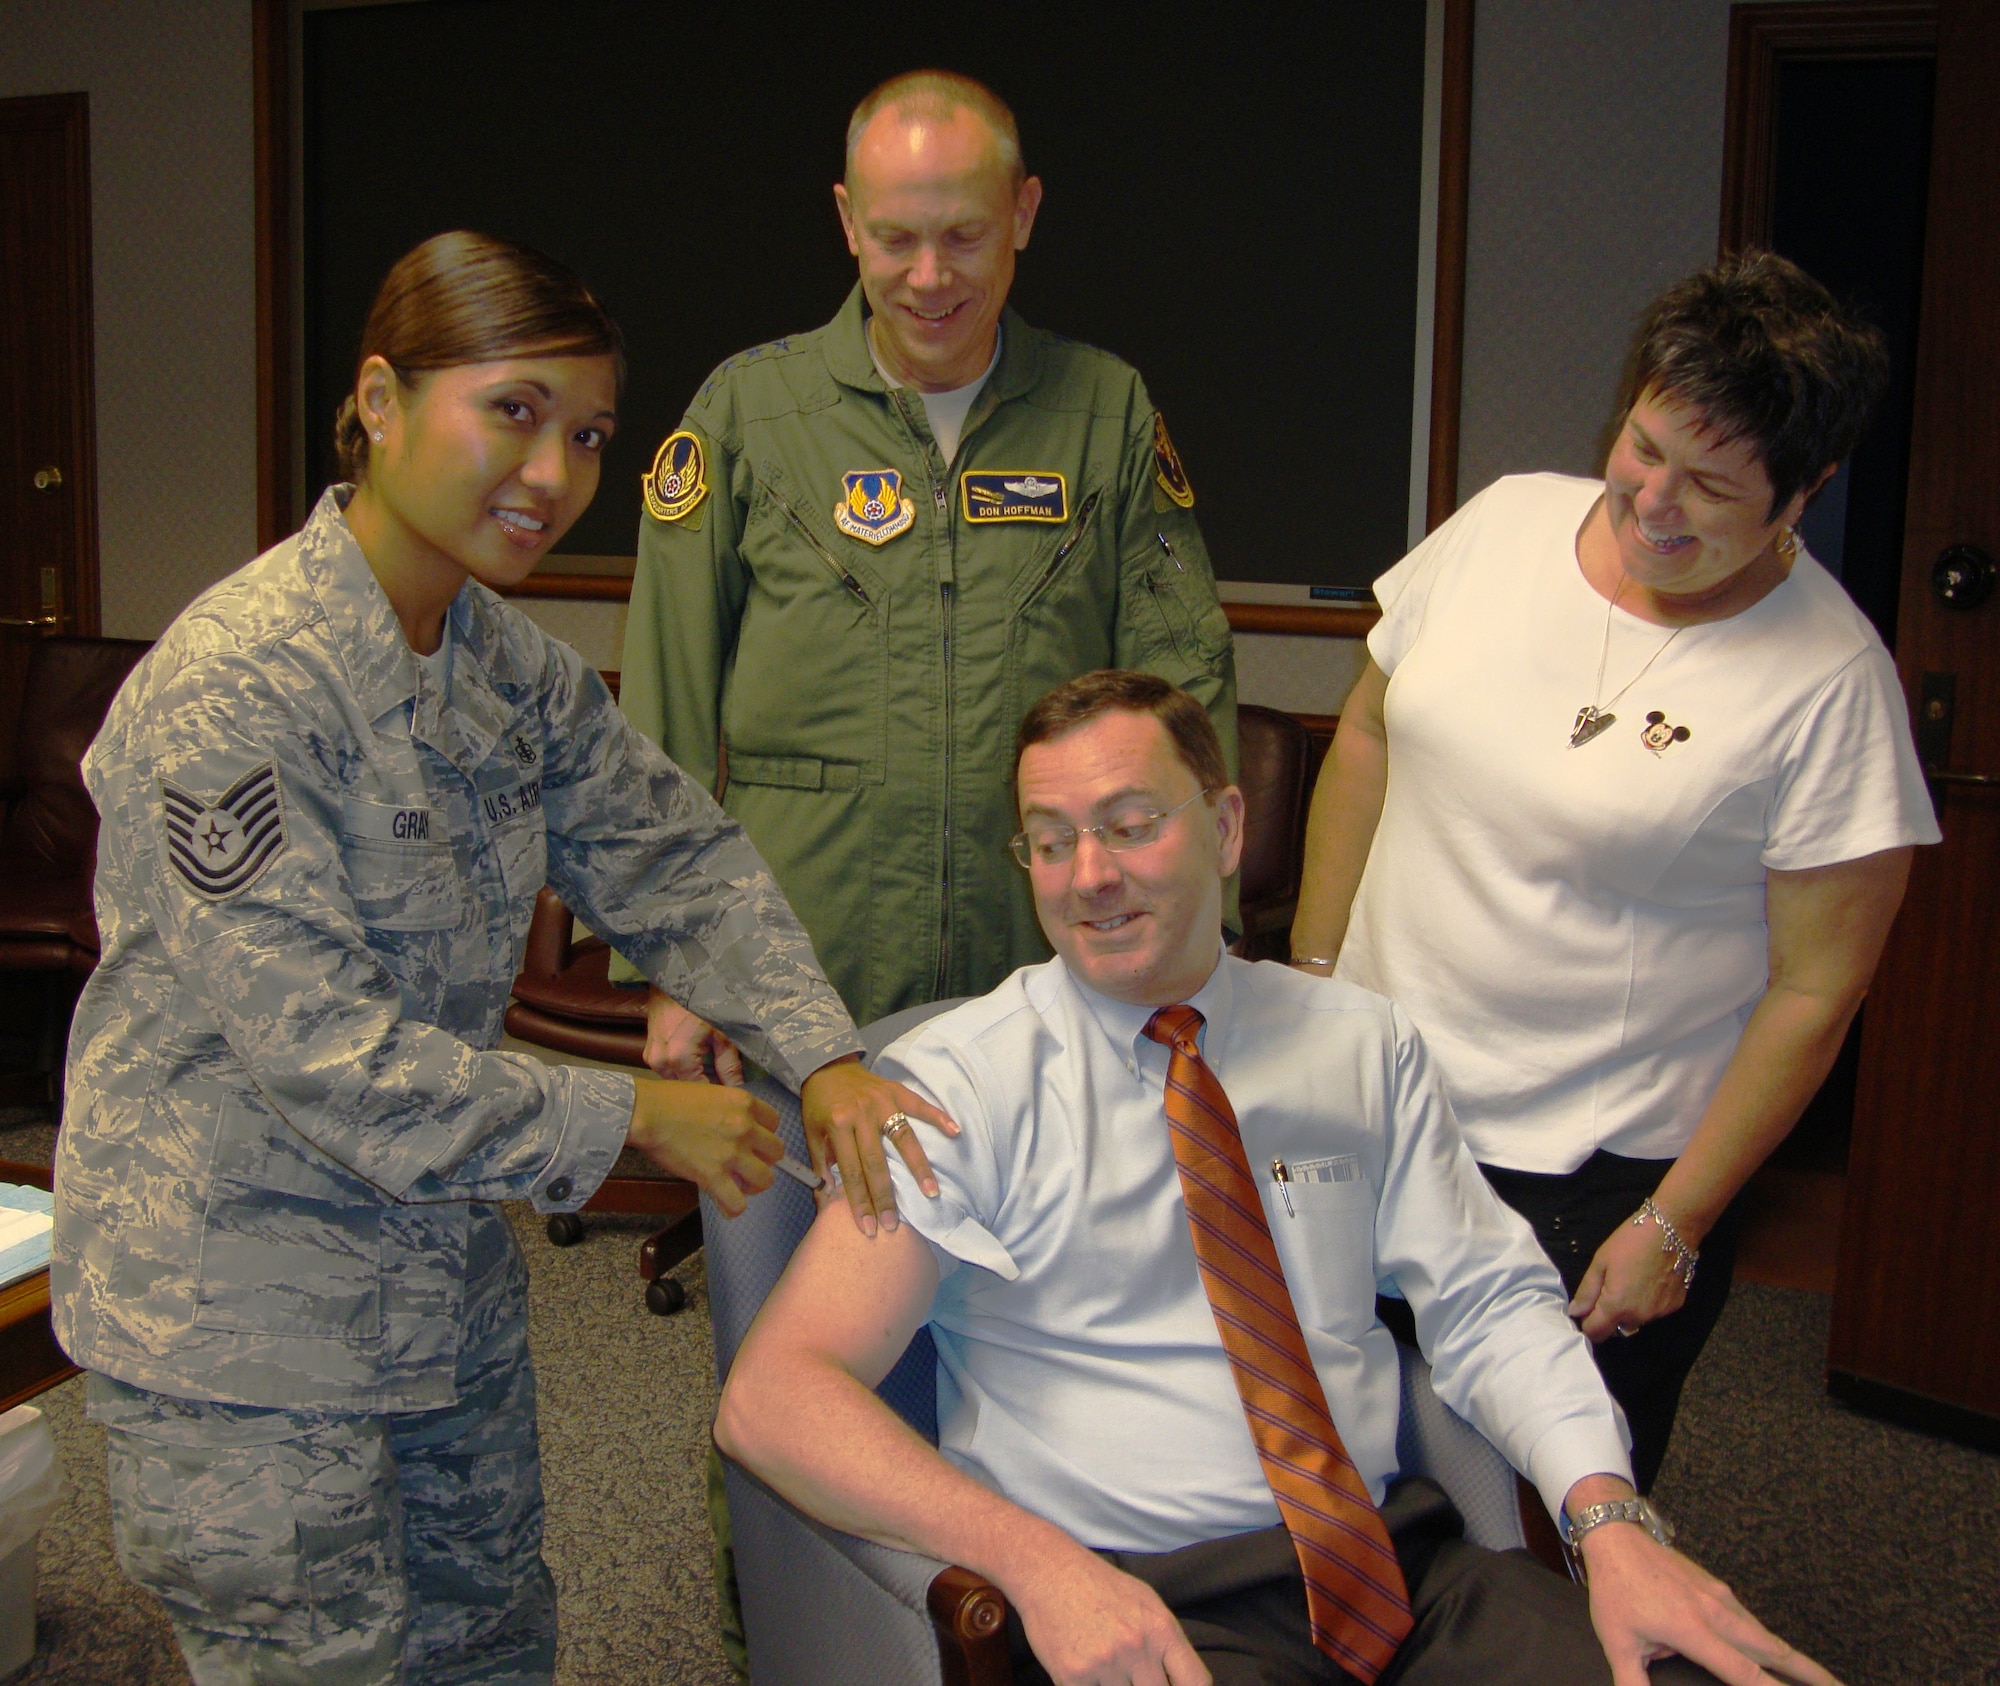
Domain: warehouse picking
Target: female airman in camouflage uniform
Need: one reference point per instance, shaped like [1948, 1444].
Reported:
[278, 1244]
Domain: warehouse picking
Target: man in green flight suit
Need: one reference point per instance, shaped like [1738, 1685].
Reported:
[869, 548]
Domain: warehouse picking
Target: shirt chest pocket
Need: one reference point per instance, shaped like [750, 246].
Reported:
[1326, 1244]
[401, 870]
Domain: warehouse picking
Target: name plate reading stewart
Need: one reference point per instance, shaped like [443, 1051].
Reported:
[1023, 495]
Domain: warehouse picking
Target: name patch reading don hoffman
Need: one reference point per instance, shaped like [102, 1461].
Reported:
[678, 479]
[1015, 495]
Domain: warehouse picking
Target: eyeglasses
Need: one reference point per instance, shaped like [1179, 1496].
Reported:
[1052, 845]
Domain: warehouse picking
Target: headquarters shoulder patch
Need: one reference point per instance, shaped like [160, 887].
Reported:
[1015, 495]
[1167, 469]
[873, 508]
[678, 479]
[221, 847]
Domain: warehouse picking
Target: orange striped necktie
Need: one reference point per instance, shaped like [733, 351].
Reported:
[1355, 1596]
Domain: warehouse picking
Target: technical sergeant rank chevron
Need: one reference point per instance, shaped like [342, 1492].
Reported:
[221, 847]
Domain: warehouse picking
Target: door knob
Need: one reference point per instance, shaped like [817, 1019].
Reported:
[1962, 577]
[47, 479]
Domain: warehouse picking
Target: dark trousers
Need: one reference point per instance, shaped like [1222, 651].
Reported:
[1572, 1215]
[1495, 1617]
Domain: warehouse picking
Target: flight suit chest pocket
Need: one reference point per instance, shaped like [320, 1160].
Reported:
[401, 870]
[1326, 1244]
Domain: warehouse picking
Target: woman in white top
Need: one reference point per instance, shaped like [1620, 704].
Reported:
[1622, 807]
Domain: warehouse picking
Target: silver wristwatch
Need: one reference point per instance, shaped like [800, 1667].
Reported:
[1640, 1511]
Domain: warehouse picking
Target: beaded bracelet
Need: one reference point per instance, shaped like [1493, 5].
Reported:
[1685, 1257]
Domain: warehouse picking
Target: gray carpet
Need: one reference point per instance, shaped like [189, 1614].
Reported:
[1873, 1548]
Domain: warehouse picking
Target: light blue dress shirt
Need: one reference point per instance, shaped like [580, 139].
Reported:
[1080, 1373]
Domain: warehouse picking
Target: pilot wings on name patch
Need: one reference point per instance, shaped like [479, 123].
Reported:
[219, 848]
[1015, 495]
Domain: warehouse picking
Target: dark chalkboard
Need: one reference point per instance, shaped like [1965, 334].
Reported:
[1232, 205]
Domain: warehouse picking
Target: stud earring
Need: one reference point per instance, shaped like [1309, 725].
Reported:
[377, 436]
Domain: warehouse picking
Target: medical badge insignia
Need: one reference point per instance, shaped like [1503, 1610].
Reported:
[678, 479]
[874, 509]
[221, 847]
[1167, 468]
[1015, 495]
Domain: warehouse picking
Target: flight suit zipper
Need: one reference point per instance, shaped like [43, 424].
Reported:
[950, 688]
[832, 561]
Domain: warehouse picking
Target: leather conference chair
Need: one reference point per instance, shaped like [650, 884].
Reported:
[823, 1608]
[48, 845]
[564, 1000]
[1274, 752]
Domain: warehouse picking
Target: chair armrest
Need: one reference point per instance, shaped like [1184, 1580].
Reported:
[823, 1608]
[971, 1617]
[547, 950]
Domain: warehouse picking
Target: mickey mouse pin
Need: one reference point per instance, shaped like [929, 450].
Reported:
[1658, 736]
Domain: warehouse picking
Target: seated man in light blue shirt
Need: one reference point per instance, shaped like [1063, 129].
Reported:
[1130, 1244]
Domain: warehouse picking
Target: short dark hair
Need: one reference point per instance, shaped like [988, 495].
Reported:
[1763, 353]
[472, 298]
[936, 94]
[1077, 702]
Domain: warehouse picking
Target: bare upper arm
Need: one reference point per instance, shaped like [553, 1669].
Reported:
[846, 1299]
[1362, 712]
[1828, 923]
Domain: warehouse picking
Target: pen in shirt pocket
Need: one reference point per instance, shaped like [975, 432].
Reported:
[1281, 1174]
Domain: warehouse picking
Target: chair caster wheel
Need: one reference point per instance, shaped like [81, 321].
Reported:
[565, 1229]
[665, 1297]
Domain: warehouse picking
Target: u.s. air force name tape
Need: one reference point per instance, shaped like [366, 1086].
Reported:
[678, 479]
[219, 848]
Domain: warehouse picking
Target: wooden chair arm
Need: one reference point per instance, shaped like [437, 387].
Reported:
[970, 1614]
[547, 950]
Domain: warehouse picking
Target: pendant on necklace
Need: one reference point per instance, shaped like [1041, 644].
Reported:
[1590, 721]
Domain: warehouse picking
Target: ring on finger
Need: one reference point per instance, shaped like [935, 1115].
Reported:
[1625, 1331]
[896, 1126]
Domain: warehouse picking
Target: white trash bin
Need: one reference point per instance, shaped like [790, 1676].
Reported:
[31, 1484]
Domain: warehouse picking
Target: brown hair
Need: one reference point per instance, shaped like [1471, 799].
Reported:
[471, 298]
[1077, 702]
[1762, 353]
[936, 94]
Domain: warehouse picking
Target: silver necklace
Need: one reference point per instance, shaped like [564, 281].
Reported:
[1596, 716]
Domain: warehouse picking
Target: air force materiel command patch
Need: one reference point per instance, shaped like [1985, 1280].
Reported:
[874, 509]
[1015, 495]
[1167, 470]
[678, 479]
[221, 847]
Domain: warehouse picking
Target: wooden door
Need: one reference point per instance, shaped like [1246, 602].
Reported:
[1916, 1331]
[48, 452]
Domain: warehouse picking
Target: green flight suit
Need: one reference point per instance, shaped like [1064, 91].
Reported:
[862, 625]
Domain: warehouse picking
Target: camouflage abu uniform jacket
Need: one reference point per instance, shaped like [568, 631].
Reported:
[314, 882]
[863, 624]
